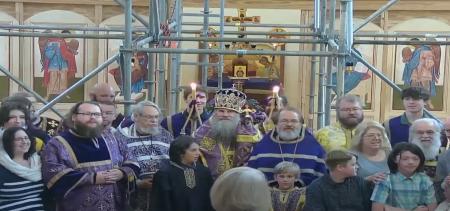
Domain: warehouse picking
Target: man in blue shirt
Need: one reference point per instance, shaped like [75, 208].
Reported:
[397, 128]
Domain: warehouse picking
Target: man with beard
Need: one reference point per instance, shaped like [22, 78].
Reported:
[225, 142]
[83, 169]
[289, 142]
[425, 133]
[183, 122]
[414, 100]
[149, 143]
[339, 135]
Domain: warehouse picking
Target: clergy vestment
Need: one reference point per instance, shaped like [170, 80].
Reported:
[152, 153]
[288, 200]
[218, 157]
[304, 151]
[182, 188]
[69, 166]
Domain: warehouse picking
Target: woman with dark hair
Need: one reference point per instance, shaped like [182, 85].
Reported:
[183, 185]
[20, 172]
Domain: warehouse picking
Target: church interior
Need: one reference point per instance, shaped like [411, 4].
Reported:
[314, 50]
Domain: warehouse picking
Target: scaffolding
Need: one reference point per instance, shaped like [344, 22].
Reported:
[327, 44]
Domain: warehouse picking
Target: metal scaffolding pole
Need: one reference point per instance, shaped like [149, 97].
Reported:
[235, 52]
[204, 44]
[78, 83]
[65, 27]
[314, 60]
[61, 35]
[161, 8]
[384, 78]
[150, 83]
[251, 25]
[375, 14]
[135, 15]
[175, 64]
[321, 86]
[235, 39]
[21, 84]
[255, 33]
[400, 42]
[331, 33]
[345, 43]
[127, 58]
[222, 44]
[404, 34]
[312, 85]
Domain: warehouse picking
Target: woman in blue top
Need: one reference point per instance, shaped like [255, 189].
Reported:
[21, 184]
[371, 145]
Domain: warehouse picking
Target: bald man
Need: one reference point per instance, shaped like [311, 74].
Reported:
[104, 93]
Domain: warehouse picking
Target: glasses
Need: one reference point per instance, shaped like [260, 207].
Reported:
[22, 139]
[89, 114]
[427, 132]
[348, 110]
[148, 116]
[373, 135]
[287, 121]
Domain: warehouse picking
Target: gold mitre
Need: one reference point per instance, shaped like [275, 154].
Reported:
[231, 99]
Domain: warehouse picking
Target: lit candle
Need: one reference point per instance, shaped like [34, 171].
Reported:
[276, 89]
[193, 88]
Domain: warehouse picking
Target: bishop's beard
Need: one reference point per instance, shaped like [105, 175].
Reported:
[224, 130]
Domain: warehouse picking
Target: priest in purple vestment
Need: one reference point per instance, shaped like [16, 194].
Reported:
[85, 169]
[149, 143]
[225, 140]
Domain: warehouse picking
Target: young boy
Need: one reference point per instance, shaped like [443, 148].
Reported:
[285, 195]
[341, 189]
[407, 187]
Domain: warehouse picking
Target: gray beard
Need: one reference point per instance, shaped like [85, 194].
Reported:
[224, 130]
[291, 135]
[151, 130]
[431, 151]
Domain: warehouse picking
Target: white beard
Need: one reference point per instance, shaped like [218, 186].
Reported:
[431, 151]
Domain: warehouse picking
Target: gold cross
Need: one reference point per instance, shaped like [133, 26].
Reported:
[242, 18]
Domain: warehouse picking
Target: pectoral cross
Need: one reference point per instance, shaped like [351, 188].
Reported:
[242, 18]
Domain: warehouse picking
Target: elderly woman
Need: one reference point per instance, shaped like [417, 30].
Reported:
[183, 185]
[20, 172]
[372, 147]
[241, 189]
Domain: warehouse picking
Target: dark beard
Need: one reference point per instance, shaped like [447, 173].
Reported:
[224, 131]
[350, 124]
[87, 131]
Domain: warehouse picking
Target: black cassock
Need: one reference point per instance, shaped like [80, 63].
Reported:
[180, 188]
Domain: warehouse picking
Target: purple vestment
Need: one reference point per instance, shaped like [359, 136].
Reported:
[219, 158]
[69, 166]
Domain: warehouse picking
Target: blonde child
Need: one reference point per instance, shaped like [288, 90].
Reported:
[285, 195]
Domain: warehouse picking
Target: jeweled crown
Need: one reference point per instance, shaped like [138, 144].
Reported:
[231, 99]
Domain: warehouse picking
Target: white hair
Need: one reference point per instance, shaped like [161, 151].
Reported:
[241, 189]
[412, 130]
[430, 151]
[139, 108]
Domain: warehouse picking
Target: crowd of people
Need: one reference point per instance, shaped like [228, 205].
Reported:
[228, 158]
